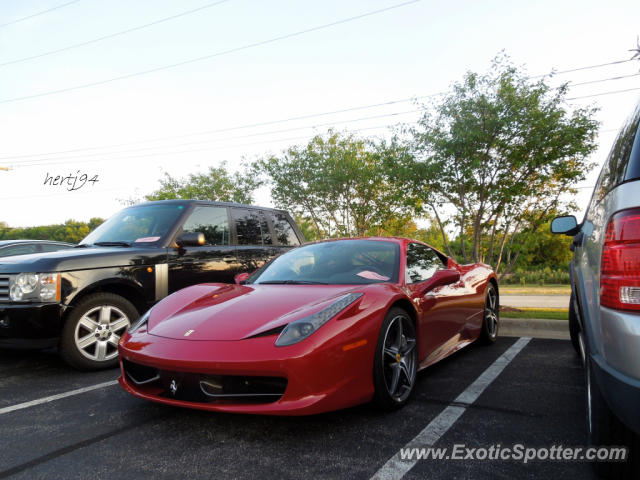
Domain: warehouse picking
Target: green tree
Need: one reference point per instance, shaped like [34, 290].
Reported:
[217, 184]
[338, 183]
[493, 157]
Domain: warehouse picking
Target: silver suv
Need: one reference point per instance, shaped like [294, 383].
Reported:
[604, 312]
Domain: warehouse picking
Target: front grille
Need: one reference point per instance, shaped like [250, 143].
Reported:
[203, 388]
[4, 288]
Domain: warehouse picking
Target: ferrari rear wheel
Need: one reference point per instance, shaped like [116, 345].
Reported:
[490, 322]
[396, 362]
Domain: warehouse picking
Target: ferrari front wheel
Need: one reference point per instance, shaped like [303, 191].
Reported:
[396, 361]
[491, 316]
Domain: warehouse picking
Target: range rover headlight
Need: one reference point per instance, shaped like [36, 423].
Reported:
[29, 287]
[303, 327]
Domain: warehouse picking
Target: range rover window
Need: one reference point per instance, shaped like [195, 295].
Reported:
[422, 263]
[143, 224]
[251, 227]
[210, 221]
[285, 233]
[47, 247]
[18, 250]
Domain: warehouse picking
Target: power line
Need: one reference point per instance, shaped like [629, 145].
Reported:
[259, 134]
[211, 55]
[209, 149]
[577, 69]
[273, 122]
[228, 129]
[112, 35]
[603, 93]
[604, 80]
[42, 12]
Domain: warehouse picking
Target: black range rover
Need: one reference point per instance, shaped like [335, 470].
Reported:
[83, 299]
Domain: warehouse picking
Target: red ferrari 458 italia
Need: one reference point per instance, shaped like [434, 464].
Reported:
[324, 326]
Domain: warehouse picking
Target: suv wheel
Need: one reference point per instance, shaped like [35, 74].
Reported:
[93, 328]
[605, 429]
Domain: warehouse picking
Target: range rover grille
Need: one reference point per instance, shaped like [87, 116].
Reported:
[4, 288]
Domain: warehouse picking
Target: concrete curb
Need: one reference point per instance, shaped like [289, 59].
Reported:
[534, 327]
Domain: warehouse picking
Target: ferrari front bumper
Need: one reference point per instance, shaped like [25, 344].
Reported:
[249, 376]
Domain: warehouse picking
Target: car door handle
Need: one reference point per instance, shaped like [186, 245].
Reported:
[229, 259]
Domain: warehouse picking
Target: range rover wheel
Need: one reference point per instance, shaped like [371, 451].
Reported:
[491, 318]
[93, 328]
[396, 361]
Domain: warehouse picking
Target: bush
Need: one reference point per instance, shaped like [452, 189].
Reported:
[543, 276]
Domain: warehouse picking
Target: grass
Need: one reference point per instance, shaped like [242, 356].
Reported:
[545, 313]
[535, 289]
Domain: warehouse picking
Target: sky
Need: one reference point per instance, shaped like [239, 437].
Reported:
[113, 110]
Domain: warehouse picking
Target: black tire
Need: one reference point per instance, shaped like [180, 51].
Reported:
[92, 329]
[396, 356]
[574, 325]
[490, 316]
[605, 429]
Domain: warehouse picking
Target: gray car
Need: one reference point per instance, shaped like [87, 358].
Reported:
[604, 312]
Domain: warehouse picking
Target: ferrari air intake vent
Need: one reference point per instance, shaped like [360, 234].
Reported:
[230, 387]
[140, 374]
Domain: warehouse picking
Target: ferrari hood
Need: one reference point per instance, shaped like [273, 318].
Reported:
[236, 312]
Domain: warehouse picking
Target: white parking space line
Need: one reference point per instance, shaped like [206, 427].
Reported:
[395, 468]
[53, 398]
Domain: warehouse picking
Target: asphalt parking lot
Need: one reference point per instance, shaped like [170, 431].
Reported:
[537, 400]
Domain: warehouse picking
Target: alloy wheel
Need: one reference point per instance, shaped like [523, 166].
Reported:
[399, 358]
[98, 331]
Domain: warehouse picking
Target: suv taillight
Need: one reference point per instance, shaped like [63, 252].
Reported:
[620, 269]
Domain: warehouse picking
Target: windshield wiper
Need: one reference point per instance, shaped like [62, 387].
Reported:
[291, 282]
[82, 245]
[113, 244]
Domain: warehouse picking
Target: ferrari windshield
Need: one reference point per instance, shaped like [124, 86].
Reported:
[341, 262]
[143, 224]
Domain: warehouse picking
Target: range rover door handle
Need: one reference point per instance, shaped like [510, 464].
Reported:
[229, 259]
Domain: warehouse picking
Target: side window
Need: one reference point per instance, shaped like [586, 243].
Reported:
[53, 248]
[422, 263]
[615, 166]
[210, 221]
[284, 231]
[251, 227]
[18, 250]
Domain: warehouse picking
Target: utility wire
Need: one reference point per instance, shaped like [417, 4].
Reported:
[42, 12]
[604, 93]
[109, 155]
[209, 149]
[578, 69]
[217, 140]
[283, 120]
[211, 55]
[112, 35]
[227, 129]
[603, 80]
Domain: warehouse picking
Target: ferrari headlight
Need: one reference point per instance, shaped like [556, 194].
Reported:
[303, 327]
[141, 321]
[26, 287]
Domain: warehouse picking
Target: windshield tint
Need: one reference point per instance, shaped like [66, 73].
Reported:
[143, 224]
[342, 262]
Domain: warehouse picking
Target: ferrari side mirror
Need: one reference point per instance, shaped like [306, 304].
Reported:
[241, 278]
[439, 279]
